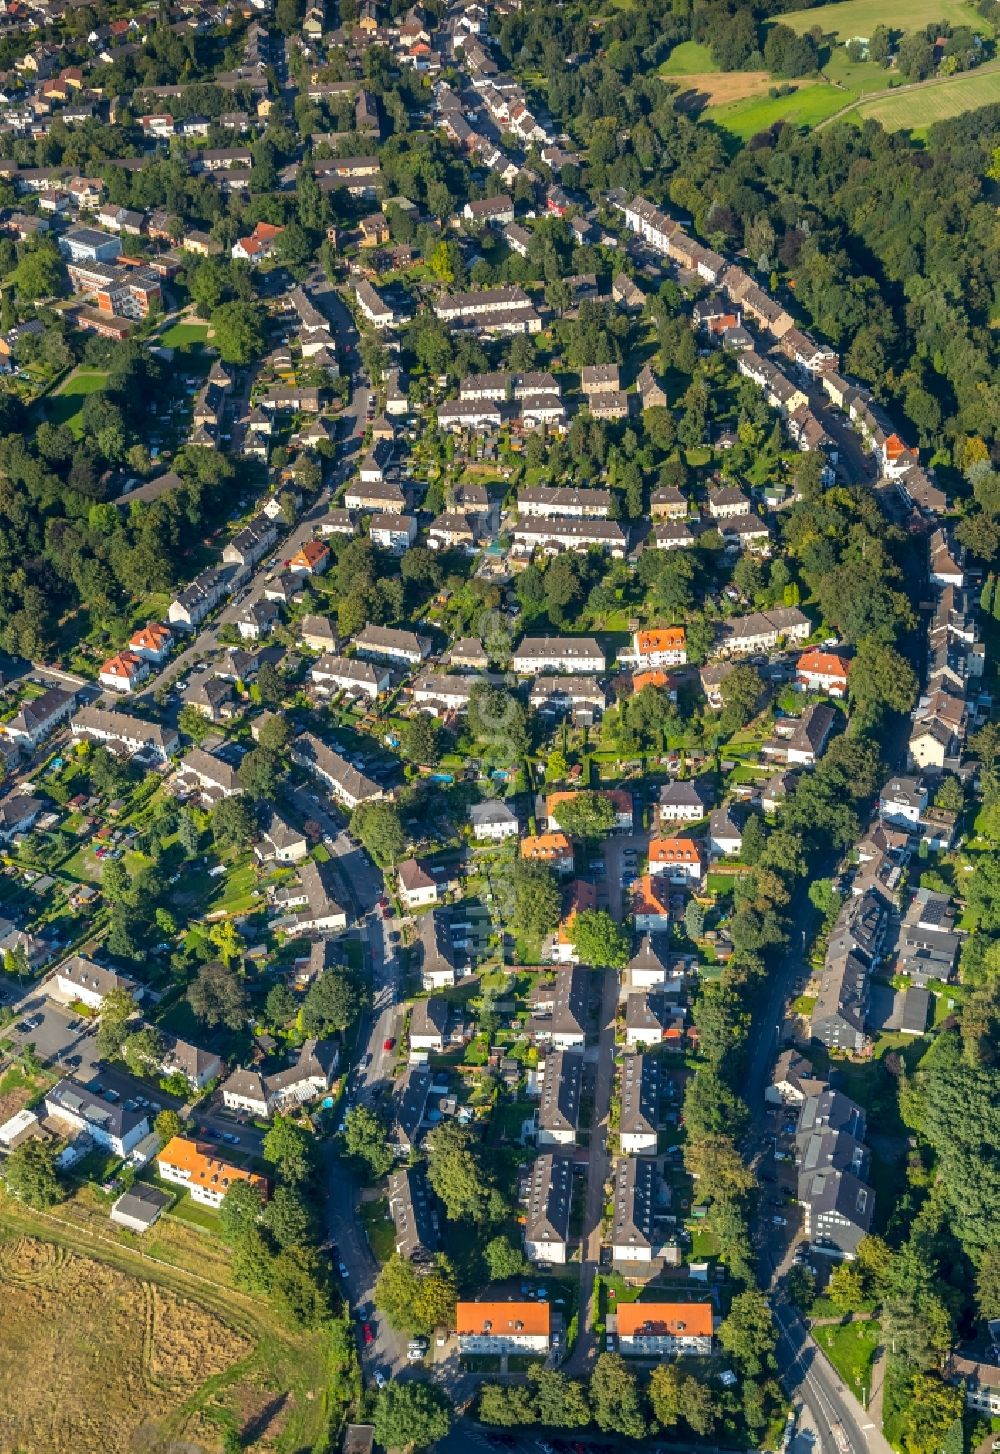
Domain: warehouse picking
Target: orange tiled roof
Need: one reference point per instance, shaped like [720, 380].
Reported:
[667, 638]
[205, 1168]
[125, 664]
[649, 897]
[311, 553]
[693, 1320]
[501, 1319]
[654, 678]
[674, 850]
[825, 663]
[544, 845]
[153, 636]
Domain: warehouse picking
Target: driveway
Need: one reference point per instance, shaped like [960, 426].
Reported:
[615, 850]
[61, 1037]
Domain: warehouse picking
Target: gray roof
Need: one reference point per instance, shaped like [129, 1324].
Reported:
[409, 1102]
[483, 814]
[640, 1094]
[115, 1116]
[436, 953]
[430, 1016]
[634, 1198]
[559, 1109]
[550, 1188]
[411, 1205]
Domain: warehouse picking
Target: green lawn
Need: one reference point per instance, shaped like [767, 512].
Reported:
[379, 1228]
[689, 59]
[851, 1347]
[848, 18]
[182, 335]
[805, 107]
[65, 406]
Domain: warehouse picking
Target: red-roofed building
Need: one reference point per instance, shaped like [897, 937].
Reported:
[679, 858]
[822, 671]
[897, 457]
[312, 559]
[152, 641]
[124, 672]
[658, 1330]
[580, 896]
[259, 245]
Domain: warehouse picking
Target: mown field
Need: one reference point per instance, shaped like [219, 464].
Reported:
[810, 104]
[916, 110]
[66, 406]
[847, 18]
[114, 1343]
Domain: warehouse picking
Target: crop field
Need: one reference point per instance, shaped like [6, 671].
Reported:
[847, 18]
[89, 1357]
[919, 109]
[720, 88]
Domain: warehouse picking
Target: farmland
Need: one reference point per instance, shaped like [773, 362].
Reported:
[848, 18]
[160, 1353]
[140, 1353]
[938, 101]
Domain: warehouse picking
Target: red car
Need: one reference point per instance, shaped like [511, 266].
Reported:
[388, 1042]
[367, 1334]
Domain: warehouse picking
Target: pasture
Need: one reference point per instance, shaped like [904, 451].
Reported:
[939, 101]
[807, 106]
[846, 18]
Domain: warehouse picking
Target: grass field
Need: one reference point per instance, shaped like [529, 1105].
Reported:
[916, 110]
[65, 406]
[689, 59]
[144, 1344]
[851, 1347]
[109, 1356]
[804, 107]
[848, 18]
[182, 335]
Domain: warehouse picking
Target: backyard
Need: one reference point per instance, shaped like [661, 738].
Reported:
[65, 406]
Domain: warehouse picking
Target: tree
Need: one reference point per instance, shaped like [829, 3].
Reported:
[143, 1051]
[167, 1125]
[288, 1218]
[366, 1137]
[748, 1331]
[30, 1172]
[275, 734]
[720, 1170]
[586, 814]
[880, 680]
[419, 740]
[218, 996]
[614, 1397]
[456, 1174]
[240, 1210]
[379, 827]
[503, 1259]
[38, 272]
[259, 773]
[238, 332]
[846, 1288]
[931, 1410]
[280, 1006]
[561, 1402]
[117, 1009]
[741, 692]
[416, 1300]
[599, 940]
[507, 1406]
[335, 999]
[289, 1149]
[537, 900]
[666, 1389]
[233, 824]
[694, 919]
[411, 1415]
[188, 832]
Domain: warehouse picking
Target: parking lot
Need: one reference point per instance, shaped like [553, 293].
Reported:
[62, 1039]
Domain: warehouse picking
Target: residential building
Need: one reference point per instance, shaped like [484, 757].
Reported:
[664, 1330]
[408, 1108]
[559, 1009]
[633, 1236]
[98, 1111]
[538, 654]
[259, 1094]
[196, 1065]
[822, 671]
[493, 822]
[40, 717]
[206, 1175]
[347, 783]
[381, 643]
[501, 1328]
[559, 1107]
[435, 953]
[351, 675]
[547, 1212]
[417, 888]
[639, 1120]
[581, 698]
[428, 1025]
[554, 849]
[412, 1210]
[679, 858]
[663, 647]
[79, 979]
[682, 800]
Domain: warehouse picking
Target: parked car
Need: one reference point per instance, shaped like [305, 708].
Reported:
[367, 1334]
[388, 1042]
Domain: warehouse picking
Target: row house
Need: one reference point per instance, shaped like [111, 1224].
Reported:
[548, 503]
[351, 675]
[536, 655]
[762, 631]
[347, 783]
[192, 604]
[553, 536]
[658, 1330]
[118, 729]
[581, 698]
[853, 951]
